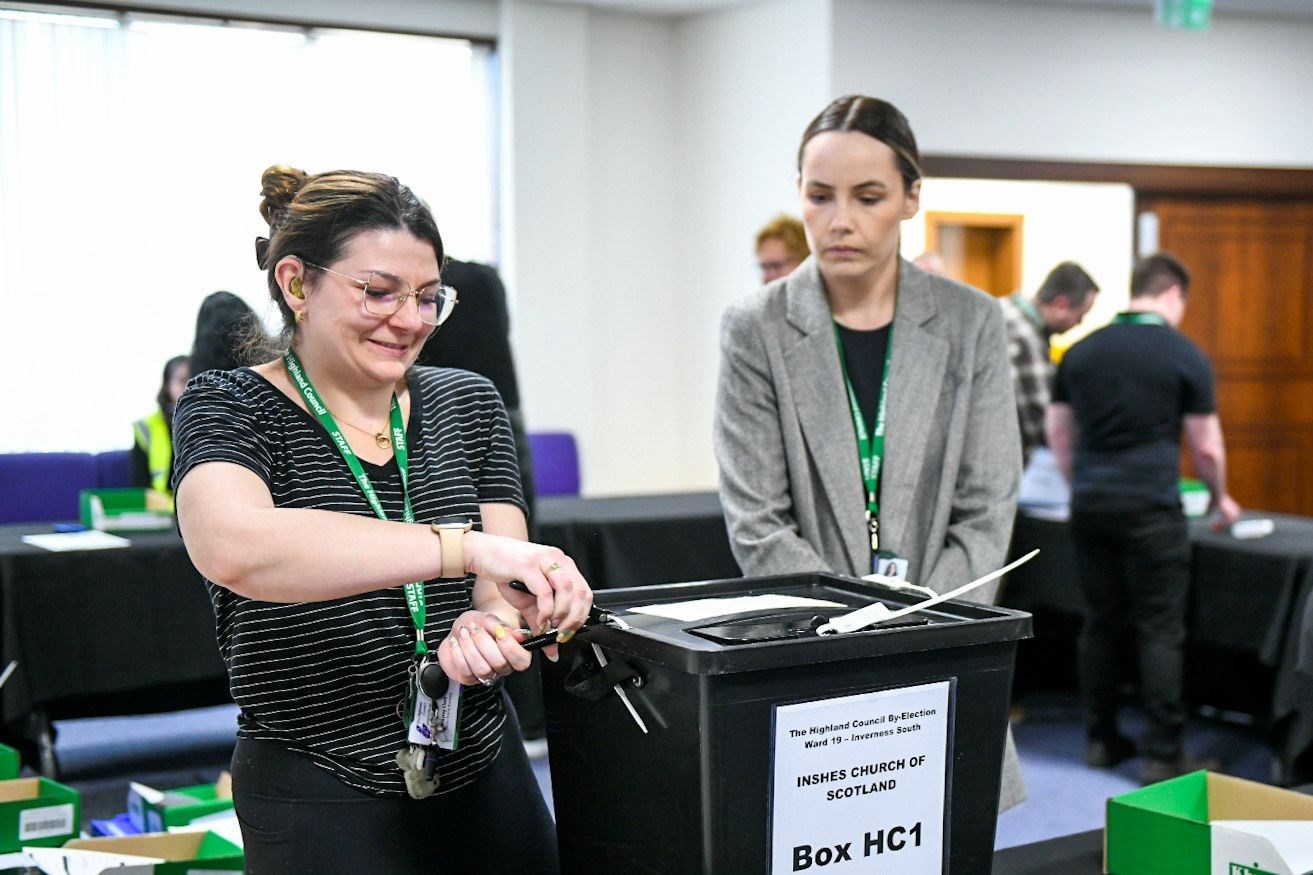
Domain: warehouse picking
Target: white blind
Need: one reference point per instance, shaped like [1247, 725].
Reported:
[130, 162]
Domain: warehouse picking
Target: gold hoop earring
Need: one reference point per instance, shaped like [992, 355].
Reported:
[300, 317]
[295, 287]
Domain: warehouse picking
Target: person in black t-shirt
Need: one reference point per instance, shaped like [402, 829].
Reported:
[1121, 398]
[297, 481]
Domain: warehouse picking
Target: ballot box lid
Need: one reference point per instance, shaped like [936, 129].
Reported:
[698, 646]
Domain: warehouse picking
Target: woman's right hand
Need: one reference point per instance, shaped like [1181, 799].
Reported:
[558, 595]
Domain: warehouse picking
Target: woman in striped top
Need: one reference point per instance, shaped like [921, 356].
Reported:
[306, 487]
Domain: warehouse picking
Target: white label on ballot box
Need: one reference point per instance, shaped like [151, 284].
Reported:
[859, 782]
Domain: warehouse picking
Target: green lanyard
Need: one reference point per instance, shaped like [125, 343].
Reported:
[414, 591]
[1139, 317]
[870, 447]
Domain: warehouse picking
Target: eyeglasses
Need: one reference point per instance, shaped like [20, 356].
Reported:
[385, 294]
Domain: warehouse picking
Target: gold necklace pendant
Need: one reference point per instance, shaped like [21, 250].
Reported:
[384, 442]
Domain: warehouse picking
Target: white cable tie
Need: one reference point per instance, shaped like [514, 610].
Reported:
[619, 692]
[877, 612]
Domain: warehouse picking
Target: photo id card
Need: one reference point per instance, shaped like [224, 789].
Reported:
[889, 565]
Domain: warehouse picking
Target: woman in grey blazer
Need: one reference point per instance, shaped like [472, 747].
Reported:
[791, 480]
[854, 339]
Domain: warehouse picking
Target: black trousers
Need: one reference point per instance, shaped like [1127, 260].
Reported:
[297, 818]
[1134, 570]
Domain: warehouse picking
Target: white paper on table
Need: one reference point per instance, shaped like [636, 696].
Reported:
[1059, 513]
[221, 823]
[701, 609]
[1293, 839]
[1042, 484]
[84, 862]
[91, 539]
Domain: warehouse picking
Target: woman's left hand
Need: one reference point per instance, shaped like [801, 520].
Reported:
[558, 596]
[480, 648]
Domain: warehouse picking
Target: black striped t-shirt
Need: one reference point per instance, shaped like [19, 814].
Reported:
[325, 678]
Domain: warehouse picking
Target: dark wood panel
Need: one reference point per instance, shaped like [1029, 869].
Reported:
[1287, 400]
[1268, 468]
[1279, 183]
[1251, 310]
[1249, 304]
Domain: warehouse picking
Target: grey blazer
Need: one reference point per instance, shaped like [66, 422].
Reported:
[789, 475]
[790, 480]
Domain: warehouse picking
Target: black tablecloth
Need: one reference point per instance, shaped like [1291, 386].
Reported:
[1247, 618]
[102, 624]
[639, 540]
[1066, 855]
[1243, 592]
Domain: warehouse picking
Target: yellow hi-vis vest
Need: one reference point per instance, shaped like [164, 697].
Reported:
[153, 437]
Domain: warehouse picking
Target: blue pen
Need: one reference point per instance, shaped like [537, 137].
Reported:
[69, 527]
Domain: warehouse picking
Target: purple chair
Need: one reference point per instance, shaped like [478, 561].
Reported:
[43, 487]
[555, 462]
[114, 469]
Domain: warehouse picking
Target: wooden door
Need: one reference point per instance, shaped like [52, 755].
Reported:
[979, 249]
[1251, 310]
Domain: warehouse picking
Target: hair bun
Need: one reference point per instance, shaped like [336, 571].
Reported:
[278, 185]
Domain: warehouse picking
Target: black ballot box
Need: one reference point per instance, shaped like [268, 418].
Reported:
[770, 748]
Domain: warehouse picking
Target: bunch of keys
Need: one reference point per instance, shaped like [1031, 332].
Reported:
[433, 706]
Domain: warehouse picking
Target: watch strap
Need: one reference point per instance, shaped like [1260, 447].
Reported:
[452, 537]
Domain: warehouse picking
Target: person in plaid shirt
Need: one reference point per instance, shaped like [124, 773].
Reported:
[1059, 305]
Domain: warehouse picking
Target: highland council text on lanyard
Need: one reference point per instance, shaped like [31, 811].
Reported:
[870, 447]
[414, 591]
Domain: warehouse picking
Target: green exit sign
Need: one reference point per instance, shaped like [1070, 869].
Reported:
[1185, 14]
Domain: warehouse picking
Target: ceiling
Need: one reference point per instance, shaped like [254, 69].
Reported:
[1279, 8]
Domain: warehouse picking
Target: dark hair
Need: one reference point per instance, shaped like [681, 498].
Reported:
[223, 325]
[1068, 280]
[1155, 274]
[314, 217]
[876, 118]
[162, 398]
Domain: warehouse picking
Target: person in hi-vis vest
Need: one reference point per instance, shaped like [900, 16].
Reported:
[152, 445]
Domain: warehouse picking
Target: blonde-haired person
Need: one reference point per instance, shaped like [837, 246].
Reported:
[781, 246]
[864, 413]
[306, 487]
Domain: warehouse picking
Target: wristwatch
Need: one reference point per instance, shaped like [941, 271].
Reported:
[451, 532]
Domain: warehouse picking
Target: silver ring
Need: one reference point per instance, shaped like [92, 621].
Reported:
[487, 682]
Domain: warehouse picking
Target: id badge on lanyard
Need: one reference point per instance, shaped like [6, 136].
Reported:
[889, 564]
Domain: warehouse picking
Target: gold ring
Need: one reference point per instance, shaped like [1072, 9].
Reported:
[555, 566]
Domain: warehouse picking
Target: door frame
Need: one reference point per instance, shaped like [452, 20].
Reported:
[1277, 183]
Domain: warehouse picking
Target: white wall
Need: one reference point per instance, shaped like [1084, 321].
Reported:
[639, 281]
[643, 154]
[592, 249]
[545, 215]
[1097, 84]
[1089, 223]
[750, 78]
